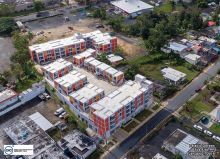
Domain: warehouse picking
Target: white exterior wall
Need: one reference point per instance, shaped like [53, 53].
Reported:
[26, 97]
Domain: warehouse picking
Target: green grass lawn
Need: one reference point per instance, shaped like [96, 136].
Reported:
[165, 8]
[25, 84]
[215, 128]
[150, 67]
[190, 73]
[129, 127]
[143, 115]
[199, 105]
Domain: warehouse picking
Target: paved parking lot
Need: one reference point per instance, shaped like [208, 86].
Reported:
[36, 105]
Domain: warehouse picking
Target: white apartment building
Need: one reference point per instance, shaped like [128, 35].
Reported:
[121, 105]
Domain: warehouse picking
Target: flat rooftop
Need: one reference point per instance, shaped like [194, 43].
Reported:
[6, 94]
[77, 142]
[131, 6]
[117, 99]
[177, 46]
[182, 142]
[193, 56]
[86, 93]
[52, 153]
[114, 58]
[71, 78]
[27, 132]
[89, 52]
[172, 74]
[55, 44]
[57, 65]
[98, 37]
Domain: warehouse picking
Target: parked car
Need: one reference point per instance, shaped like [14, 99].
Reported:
[47, 96]
[209, 133]
[99, 26]
[62, 115]
[197, 127]
[41, 96]
[198, 90]
[59, 111]
[216, 138]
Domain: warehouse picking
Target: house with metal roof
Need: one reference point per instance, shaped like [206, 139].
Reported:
[131, 8]
[173, 76]
[180, 142]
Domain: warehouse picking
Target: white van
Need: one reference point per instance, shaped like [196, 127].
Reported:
[216, 138]
[59, 111]
[197, 127]
[209, 133]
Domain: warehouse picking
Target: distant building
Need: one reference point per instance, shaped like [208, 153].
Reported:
[131, 8]
[28, 131]
[176, 47]
[159, 156]
[78, 144]
[192, 58]
[57, 69]
[179, 142]
[173, 76]
[185, 1]
[46, 52]
[8, 98]
[121, 105]
[114, 59]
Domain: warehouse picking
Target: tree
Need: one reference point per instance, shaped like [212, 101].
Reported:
[6, 9]
[21, 55]
[103, 58]
[6, 25]
[218, 72]
[100, 13]
[116, 22]
[38, 5]
[131, 71]
[18, 71]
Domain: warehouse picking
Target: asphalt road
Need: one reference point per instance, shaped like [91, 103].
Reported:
[172, 105]
[132, 140]
[183, 96]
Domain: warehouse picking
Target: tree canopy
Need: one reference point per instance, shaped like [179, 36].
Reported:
[6, 25]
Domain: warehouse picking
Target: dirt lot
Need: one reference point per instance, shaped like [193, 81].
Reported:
[56, 27]
[131, 49]
[45, 108]
[7, 50]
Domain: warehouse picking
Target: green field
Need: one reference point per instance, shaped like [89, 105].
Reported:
[151, 65]
[199, 105]
[215, 128]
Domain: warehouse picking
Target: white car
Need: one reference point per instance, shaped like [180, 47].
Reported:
[197, 127]
[59, 111]
[46, 96]
[209, 133]
[62, 115]
[216, 138]
[41, 96]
